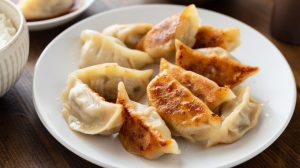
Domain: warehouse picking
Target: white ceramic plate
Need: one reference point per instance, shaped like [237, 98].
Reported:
[274, 86]
[57, 21]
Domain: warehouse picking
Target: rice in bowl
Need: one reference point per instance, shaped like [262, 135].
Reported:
[7, 30]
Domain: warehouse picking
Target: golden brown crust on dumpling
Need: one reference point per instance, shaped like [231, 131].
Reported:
[224, 70]
[159, 41]
[162, 32]
[205, 89]
[139, 139]
[144, 133]
[209, 36]
[179, 108]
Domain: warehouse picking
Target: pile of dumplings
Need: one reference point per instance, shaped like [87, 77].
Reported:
[195, 95]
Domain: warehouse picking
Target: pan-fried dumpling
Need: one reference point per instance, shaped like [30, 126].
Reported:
[87, 112]
[205, 89]
[40, 9]
[185, 114]
[144, 133]
[239, 116]
[84, 105]
[214, 63]
[98, 48]
[210, 36]
[130, 34]
[160, 40]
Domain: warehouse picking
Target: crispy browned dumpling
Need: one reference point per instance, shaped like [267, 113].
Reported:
[205, 89]
[210, 36]
[214, 63]
[185, 114]
[160, 40]
[144, 133]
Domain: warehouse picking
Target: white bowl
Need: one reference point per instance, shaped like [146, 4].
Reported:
[13, 56]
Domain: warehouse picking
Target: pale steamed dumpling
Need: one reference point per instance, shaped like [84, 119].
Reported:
[104, 79]
[130, 34]
[84, 100]
[41, 9]
[87, 112]
[98, 48]
[144, 133]
[239, 116]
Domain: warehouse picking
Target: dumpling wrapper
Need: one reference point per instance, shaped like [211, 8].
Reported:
[98, 48]
[205, 89]
[144, 133]
[160, 40]
[104, 79]
[84, 100]
[210, 36]
[214, 63]
[87, 112]
[239, 116]
[185, 114]
[129, 34]
[41, 9]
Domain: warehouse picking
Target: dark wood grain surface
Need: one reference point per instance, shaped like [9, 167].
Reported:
[24, 141]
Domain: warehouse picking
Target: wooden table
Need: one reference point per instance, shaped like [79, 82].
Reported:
[24, 141]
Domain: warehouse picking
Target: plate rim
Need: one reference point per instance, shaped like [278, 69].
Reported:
[270, 140]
